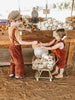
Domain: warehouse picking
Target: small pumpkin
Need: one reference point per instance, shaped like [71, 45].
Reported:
[36, 45]
[70, 19]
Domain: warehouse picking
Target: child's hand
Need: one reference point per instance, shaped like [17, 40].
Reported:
[42, 47]
[41, 44]
[34, 42]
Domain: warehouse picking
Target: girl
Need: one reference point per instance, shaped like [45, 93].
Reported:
[17, 63]
[59, 49]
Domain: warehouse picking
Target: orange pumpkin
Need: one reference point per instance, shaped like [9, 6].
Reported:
[1, 29]
[36, 45]
[70, 19]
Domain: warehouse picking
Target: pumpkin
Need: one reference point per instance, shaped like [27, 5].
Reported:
[70, 19]
[1, 29]
[36, 45]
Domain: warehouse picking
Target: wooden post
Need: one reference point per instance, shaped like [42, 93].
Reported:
[19, 5]
[72, 7]
[70, 53]
[46, 8]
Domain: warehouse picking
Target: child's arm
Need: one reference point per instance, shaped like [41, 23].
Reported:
[19, 39]
[47, 44]
[59, 45]
[27, 43]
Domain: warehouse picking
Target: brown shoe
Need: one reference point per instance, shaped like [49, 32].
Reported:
[54, 73]
[58, 76]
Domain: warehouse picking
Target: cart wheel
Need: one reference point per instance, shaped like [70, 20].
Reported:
[50, 80]
[37, 79]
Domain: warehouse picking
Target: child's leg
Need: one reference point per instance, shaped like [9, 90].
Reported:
[61, 71]
[12, 69]
[12, 66]
[56, 70]
[60, 75]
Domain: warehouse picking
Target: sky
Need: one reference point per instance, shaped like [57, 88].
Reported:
[7, 6]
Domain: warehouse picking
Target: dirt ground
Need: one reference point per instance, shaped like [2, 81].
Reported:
[30, 89]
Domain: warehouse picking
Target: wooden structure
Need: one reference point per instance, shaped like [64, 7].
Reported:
[27, 49]
[43, 36]
[71, 41]
[72, 7]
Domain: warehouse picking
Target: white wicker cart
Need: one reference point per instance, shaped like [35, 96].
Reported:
[39, 71]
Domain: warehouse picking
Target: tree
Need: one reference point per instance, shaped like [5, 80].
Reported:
[66, 5]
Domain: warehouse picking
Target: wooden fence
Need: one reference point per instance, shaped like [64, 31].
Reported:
[43, 36]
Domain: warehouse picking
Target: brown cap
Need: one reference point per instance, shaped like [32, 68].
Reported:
[14, 15]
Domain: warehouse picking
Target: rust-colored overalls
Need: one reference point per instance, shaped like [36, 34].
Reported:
[61, 53]
[17, 62]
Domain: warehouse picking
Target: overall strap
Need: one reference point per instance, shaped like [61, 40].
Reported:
[60, 41]
[63, 42]
[13, 35]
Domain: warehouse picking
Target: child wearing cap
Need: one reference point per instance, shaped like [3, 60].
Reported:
[17, 62]
[59, 50]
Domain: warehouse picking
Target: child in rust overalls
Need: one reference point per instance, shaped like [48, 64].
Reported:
[58, 48]
[17, 62]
